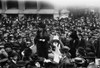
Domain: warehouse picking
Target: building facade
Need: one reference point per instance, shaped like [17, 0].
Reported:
[26, 7]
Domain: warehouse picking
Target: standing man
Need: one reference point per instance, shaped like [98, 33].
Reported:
[41, 41]
[97, 47]
[73, 44]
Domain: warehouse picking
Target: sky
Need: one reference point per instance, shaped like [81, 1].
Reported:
[71, 3]
[77, 3]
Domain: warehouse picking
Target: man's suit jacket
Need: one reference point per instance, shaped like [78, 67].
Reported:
[13, 65]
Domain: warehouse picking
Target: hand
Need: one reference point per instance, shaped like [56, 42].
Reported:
[37, 64]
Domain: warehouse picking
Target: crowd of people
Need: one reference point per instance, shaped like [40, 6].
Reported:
[36, 40]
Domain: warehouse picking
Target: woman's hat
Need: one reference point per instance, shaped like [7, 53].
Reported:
[91, 55]
[1, 46]
[88, 49]
[65, 48]
[79, 60]
[55, 38]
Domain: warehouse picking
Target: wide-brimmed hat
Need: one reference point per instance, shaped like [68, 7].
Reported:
[65, 48]
[88, 49]
[79, 60]
[91, 55]
[55, 38]
[1, 46]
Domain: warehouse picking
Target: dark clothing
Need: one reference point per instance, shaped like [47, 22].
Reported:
[10, 54]
[27, 54]
[73, 46]
[2, 56]
[22, 47]
[65, 42]
[9, 44]
[13, 65]
[42, 46]
[81, 43]
[16, 46]
[97, 47]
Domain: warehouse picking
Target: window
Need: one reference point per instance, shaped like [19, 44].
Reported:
[44, 5]
[31, 5]
[12, 4]
[0, 5]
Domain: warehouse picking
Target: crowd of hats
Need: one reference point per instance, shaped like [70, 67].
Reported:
[88, 27]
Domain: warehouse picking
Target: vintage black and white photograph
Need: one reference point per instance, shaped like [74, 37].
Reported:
[49, 34]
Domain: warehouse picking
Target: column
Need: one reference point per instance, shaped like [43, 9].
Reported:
[38, 5]
[38, 8]
[56, 14]
[4, 7]
[21, 6]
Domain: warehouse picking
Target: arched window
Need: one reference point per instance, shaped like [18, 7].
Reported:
[45, 5]
[12, 4]
[31, 5]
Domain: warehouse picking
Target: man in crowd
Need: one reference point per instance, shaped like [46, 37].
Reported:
[3, 56]
[41, 41]
[73, 43]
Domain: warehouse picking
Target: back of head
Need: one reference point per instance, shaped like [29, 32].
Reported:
[74, 35]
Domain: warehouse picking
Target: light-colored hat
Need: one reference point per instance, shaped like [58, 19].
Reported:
[56, 37]
[65, 48]
[1, 46]
[28, 42]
